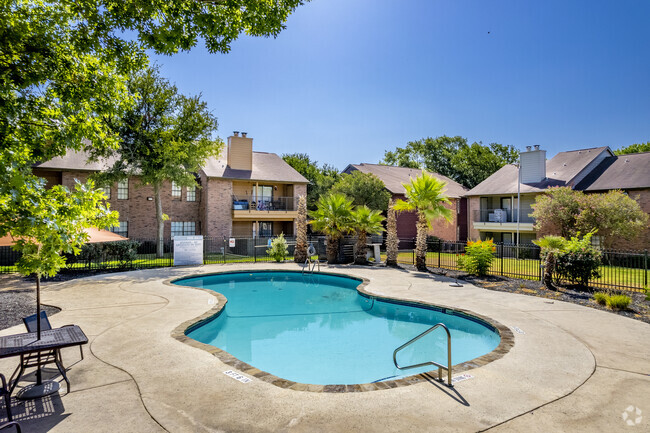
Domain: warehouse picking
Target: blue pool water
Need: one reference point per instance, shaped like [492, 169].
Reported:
[318, 329]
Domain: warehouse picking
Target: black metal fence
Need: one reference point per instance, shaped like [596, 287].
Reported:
[626, 270]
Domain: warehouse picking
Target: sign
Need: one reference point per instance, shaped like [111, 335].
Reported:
[237, 376]
[231, 242]
[188, 250]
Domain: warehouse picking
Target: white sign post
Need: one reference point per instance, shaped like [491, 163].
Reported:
[188, 250]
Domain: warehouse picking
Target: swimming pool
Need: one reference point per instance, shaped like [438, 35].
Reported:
[318, 329]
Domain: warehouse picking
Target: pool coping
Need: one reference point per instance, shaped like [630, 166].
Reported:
[179, 333]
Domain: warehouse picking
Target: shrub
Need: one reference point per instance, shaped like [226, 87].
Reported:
[601, 298]
[279, 249]
[478, 257]
[579, 260]
[619, 302]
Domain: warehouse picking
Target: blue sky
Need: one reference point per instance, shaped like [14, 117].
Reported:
[349, 79]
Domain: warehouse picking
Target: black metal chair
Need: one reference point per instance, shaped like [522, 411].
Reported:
[31, 325]
[11, 424]
[4, 391]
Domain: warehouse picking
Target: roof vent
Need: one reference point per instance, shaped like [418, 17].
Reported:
[528, 148]
[243, 134]
[537, 147]
[564, 165]
[235, 133]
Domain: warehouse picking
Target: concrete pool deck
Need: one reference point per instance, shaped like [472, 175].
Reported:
[571, 368]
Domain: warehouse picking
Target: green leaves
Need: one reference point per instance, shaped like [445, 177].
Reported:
[425, 194]
[363, 189]
[332, 215]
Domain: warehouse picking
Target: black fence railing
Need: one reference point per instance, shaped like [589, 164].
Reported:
[625, 270]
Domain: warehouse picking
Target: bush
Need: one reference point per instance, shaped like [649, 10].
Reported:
[478, 257]
[97, 254]
[579, 260]
[279, 249]
[601, 298]
[619, 302]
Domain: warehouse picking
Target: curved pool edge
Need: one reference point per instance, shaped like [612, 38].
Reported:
[180, 333]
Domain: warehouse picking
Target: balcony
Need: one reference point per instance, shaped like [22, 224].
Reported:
[502, 220]
[264, 208]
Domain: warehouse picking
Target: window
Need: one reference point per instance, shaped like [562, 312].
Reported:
[107, 192]
[266, 229]
[191, 193]
[122, 229]
[176, 190]
[183, 228]
[263, 196]
[123, 189]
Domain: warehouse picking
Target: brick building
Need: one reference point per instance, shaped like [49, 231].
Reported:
[395, 177]
[493, 207]
[242, 194]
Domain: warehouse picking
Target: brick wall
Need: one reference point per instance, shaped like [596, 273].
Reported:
[218, 208]
[473, 204]
[443, 229]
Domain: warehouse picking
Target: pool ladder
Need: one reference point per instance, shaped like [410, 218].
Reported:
[311, 266]
[440, 366]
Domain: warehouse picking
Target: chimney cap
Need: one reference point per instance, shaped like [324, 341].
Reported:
[537, 147]
[528, 148]
[243, 134]
[236, 133]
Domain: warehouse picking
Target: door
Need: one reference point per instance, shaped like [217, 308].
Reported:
[506, 204]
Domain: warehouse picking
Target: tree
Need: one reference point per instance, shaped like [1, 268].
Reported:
[425, 195]
[63, 76]
[320, 179]
[392, 242]
[468, 164]
[634, 148]
[165, 137]
[566, 212]
[365, 221]
[300, 252]
[363, 189]
[551, 246]
[332, 217]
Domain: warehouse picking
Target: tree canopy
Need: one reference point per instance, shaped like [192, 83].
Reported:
[566, 212]
[467, 164]
[363, 189]
[634, 148]
[164, 136]
[320, 179]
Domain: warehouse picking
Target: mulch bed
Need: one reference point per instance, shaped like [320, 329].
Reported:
[639, 308]
[18, 300]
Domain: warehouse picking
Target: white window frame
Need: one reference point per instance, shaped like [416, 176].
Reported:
[107, 191]
[122, 229]
[123, 189]
[191, 193]
[176, 190]
[183, 228]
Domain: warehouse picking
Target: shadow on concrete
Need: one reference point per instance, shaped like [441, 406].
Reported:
[38, 415]
[451, 392]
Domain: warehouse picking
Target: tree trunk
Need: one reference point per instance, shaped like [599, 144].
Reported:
[392, 242]
[360, 254]
[160, 246]
[549, 267]
[300, 252]
[421, 243]
[332, 250]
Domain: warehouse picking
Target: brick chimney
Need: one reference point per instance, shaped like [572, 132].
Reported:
[240, 152]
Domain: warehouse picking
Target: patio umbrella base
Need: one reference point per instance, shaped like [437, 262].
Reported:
[31, 392]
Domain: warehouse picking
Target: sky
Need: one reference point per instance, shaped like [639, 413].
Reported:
[349, 79]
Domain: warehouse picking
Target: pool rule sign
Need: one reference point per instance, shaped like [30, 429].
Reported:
[188, 250]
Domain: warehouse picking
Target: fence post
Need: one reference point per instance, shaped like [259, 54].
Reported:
[224, 250]
[413, 253]
[645, 268]
[501, 258]
[439, 250]
[255, 250]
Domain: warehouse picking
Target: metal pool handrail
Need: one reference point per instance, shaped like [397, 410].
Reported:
[440, 366]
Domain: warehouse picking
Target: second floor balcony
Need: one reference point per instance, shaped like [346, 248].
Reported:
[264, 207]
[502, 219]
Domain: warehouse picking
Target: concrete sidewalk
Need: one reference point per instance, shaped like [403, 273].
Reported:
[571, 368]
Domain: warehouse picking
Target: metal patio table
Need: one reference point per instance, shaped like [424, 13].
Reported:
[36, 352]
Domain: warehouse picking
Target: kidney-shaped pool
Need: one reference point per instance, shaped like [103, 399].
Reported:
[318, 329]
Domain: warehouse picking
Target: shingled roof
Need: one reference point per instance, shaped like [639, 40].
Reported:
[564, 169]
[393, 177]
[267, 167]
[631, 171]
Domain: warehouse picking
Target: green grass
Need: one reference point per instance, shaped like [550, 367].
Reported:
[530, 269]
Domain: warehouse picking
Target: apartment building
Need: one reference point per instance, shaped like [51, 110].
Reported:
[242, 193]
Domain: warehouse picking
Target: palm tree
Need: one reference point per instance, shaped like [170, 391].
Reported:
[365, 221]
[550, 245]
[425, 195]
[332, 217]
[300, 252]
[392, 242]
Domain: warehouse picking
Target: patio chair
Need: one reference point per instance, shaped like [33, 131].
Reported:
[11, 424]
[4, 391]
[31, 325]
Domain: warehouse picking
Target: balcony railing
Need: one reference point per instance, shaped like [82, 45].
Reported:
[501, 216]
[270, 204]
